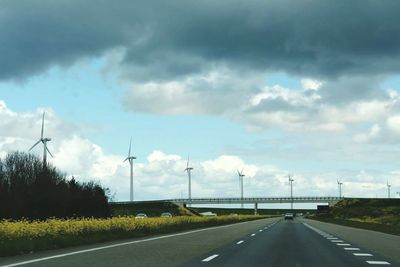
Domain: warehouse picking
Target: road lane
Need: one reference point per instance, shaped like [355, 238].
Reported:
[288, 243]
[168, 251]
[267, 242]
[384, 244]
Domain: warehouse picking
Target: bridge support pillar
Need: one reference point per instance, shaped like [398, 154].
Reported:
[255, 208]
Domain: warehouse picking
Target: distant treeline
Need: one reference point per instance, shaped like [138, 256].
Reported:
[33, 191]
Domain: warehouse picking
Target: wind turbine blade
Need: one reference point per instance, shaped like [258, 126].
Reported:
[41, 134]
[34, 145]
[49, 152]
[187, 163]
[242, 171]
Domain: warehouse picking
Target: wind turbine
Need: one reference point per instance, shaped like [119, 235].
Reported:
[340, 188]
[291, 190]
[388, 187]
[189, 172]
[241, 175]
[44, 140]
[130, 160]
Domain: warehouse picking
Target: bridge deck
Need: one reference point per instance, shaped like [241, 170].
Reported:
[255, 200]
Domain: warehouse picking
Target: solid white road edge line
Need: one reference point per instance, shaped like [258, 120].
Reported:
[119, 245]
[210, 258]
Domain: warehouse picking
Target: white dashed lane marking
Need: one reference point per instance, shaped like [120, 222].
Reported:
[378, 262]
[339, 242]
[210, 258]
[253, 234]
[362, 254]
[240, 242]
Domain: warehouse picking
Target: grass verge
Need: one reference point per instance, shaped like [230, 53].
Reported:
[18, 237]
[384, 228]
[382, 215]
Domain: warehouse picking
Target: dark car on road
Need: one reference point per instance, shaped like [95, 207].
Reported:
[289, 216]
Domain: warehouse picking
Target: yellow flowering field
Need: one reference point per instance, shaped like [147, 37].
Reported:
[25, 236]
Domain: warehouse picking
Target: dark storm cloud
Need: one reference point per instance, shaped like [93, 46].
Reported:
[350, 89]
[168, 39]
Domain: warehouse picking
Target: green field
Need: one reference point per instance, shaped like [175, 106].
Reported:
[381, 215]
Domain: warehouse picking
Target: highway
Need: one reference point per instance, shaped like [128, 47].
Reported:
[267, 242]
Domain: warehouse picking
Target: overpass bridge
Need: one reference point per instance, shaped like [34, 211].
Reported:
[251, 200]
[256, 200]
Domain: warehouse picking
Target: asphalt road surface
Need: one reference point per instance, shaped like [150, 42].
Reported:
[267, 242]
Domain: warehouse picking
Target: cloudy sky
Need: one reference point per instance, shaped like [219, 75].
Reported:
[310, 88]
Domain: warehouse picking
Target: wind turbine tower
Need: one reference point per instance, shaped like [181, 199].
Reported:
[43, 140]
[241, 175]
[291, 190]
[189, 172]
[340, 188]
[388, 187]
[130, 160]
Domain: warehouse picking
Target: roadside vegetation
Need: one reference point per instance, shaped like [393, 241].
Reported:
[17, 237]
[381, 215]
[30, 190]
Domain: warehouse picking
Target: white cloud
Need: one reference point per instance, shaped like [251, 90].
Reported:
[212, 92]
[393, 123]
[162, 174]
[373, 133]
[311, 84]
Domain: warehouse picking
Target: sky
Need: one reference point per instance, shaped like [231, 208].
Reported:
[307, 88]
